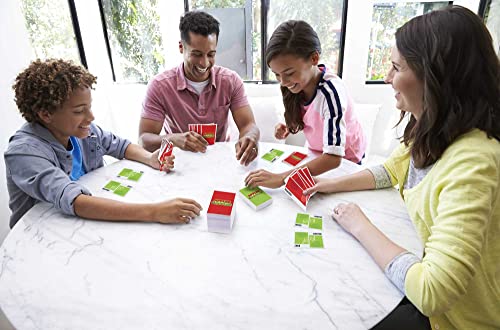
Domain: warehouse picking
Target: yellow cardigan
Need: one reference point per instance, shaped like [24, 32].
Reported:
[456, 212]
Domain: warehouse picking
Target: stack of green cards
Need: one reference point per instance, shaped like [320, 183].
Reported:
[309, 231]
[272, 155]
[117, 188]
[129, 174]
[255, 197]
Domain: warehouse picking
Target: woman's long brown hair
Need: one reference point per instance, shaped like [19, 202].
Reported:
[451, 52]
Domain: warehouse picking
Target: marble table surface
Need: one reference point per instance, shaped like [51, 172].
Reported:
[63, 272]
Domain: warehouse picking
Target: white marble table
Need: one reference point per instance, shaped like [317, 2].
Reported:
[62, 272]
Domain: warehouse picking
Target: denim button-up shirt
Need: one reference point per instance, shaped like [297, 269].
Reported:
[38, 167]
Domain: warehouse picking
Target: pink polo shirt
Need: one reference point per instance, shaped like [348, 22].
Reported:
[169, 99]
[330, 123]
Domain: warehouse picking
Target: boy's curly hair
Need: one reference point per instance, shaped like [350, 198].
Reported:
[46, 85]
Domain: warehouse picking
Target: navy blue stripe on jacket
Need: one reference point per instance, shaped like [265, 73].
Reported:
[332, 111]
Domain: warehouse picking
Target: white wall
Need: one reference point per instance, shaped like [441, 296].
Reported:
[15, 55]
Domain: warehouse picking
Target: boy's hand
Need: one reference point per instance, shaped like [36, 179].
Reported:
[167, 165]
[178, 210]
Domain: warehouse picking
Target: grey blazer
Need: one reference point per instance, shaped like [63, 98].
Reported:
[38, 167]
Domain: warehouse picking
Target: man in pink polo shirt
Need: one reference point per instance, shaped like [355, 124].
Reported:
[197, 92]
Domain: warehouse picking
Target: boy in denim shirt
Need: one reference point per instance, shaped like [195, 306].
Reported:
[59, 143]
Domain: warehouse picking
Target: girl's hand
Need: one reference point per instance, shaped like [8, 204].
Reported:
[281, 131]
[350, 217]
[264, 178]
[322, 185]
[167, 165]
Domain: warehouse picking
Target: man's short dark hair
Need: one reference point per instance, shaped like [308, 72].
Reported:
[198, 22]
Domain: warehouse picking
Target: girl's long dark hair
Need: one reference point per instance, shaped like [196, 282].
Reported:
[451, 52]
[293, 38]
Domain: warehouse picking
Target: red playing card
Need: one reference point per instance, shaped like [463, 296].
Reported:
[294, 175]
[296, 192]
[303, 182]
[165, 150]
[222, 203]
[294, 158]
[209, 133]
[306, 174]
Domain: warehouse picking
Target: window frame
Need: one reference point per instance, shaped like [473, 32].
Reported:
[480, 11]
[78, 34]
[483, 4]
[264, 19]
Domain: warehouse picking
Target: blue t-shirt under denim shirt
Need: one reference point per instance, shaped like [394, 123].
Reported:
[77, 171]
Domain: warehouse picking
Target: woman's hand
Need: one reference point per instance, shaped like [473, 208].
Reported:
[167, 165]
[323, 185]
[281, 131]
[178, 210]
[350, 217]
[264, 178]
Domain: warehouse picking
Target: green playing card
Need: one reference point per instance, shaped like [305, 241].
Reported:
[122, 190]
[125, 172]
[256, 197]
[269, 157]
[277, 152]
[316, 241]
[135, 176]
[272, 155]
[301, 238]
[302, 220]
[316, 223]
[112, 185]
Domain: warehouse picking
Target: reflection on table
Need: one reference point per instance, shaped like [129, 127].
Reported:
[63, 272]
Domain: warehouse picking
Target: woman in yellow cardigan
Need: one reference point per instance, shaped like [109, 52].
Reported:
[446, 77]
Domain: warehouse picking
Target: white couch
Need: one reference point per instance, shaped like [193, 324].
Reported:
[117, 108]
[268, 110]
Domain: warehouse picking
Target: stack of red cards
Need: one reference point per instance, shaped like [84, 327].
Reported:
[220, 214]
[165, 151]
[294, 158]
[295, 184]
[208, 131]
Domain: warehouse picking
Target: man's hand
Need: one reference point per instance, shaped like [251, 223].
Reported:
[189, 141]
[246, 150]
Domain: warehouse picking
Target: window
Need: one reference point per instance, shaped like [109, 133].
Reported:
[386, 19]
[491, 16]
[135, 40]
[326, 20]
[50, 29]
[142, 34]
[239, 34]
